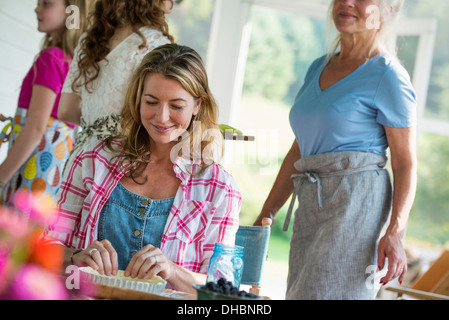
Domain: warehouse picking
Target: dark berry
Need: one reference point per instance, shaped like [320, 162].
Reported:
[227, 287]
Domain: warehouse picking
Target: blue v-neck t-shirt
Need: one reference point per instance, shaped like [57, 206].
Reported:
[351, 114]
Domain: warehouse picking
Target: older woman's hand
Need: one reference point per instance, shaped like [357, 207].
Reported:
[148, 262]
[100, 256]
[391, 247]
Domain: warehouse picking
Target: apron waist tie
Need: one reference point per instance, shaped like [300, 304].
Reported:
[298, 179]
[314, 177]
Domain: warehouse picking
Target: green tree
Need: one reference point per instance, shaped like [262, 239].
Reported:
[429, 219]
[306, 39]
[282, 47]
[441, 82]
[190, 24]
[270, 58]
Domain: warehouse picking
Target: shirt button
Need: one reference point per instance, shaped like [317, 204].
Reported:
[142, 210]
[136, 233]
[144, 202]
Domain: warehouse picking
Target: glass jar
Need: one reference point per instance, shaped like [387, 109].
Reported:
[226, 262]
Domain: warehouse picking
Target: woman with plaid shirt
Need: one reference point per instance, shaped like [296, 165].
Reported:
[154, 200]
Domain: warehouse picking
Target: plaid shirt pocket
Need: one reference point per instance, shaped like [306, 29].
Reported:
[193, 220]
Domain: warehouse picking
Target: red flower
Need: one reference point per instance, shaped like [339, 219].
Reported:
[49, 256]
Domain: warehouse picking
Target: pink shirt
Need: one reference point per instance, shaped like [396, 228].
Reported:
[49, 70]
[205, 210]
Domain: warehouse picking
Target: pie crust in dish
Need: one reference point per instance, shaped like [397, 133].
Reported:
[155, 285]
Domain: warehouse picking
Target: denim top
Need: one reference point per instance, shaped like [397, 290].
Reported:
[130, 222]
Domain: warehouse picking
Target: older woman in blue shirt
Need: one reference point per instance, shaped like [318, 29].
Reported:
[356, 102]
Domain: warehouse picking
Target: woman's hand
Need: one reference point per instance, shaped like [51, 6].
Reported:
[391, 247]
[100, 256]
[148, 262]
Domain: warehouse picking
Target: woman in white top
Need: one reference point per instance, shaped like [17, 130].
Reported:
[122, 33]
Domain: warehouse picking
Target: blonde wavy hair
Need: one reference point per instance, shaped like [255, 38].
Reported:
[108, 16]
[203, 136]
[68, 39]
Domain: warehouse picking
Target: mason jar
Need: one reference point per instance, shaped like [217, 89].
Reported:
[226, 262]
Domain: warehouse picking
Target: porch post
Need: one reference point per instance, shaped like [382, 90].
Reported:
[227, 54]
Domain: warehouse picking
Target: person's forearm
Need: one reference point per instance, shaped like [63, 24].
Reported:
[41, 104]
[282, 187]
[404, 161]
[67, 257]
[183, 279]
[405, 182]
[69, 109]
[73, 116]
[23, 146]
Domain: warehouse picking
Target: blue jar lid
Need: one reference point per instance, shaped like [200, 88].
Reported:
[221, 247]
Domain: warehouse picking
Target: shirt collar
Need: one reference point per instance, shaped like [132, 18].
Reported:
[184, 168]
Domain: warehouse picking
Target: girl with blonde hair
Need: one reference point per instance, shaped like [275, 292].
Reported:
[122, 33]
[39, 141]
[137, 202]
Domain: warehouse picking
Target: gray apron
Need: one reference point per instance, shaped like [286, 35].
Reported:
[344, 200]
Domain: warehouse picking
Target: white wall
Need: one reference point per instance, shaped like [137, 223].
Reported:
[19, 44]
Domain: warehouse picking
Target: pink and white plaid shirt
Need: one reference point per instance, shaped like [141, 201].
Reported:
[205, 210]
